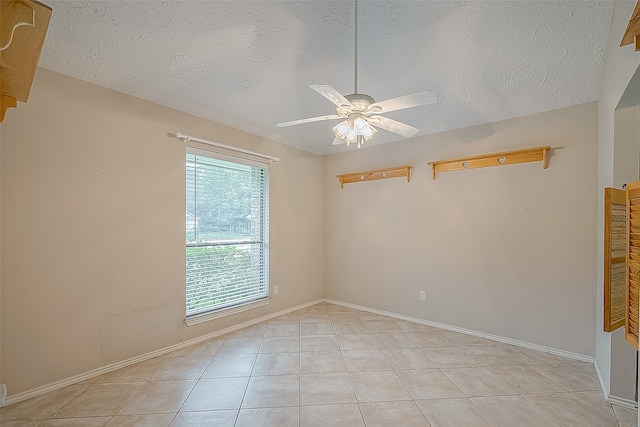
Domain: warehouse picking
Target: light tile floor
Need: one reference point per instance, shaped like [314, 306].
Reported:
[328, 365]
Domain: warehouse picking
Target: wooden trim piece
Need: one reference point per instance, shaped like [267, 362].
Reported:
[5, 103]
[614, 259]
[19, 58]
[495, 159]
[375, 174]
[633, 28]
[14, 14]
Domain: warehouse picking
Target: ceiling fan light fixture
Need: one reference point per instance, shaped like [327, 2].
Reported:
[354, 131]
[368, 134]
[341, 129]
[360, 124]
[351, 136]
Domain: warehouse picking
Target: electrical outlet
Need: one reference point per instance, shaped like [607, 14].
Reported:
[423, 295]
[275, 289]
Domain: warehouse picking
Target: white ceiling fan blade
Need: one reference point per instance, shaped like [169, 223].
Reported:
[407, 101]
[337, 141]
[310, 120]
[392, 126]
[332, 95]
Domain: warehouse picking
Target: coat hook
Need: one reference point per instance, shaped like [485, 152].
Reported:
[384, 174]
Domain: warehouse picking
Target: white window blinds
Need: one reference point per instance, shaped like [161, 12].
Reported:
[227, 230]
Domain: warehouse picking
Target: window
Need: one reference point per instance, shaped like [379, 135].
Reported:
[227, 230]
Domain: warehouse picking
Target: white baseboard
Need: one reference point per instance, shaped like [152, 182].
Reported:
[603, 386]
[620, 401]
[549, 350]
[115, 366]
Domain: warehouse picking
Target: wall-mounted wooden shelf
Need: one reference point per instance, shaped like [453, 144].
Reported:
[495, 159]
[372, 175]
[23, 27]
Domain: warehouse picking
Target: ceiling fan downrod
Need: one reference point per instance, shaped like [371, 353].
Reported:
[355, 56]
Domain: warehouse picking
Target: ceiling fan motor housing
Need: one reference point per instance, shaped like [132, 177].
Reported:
[360, 100]
[361, 104]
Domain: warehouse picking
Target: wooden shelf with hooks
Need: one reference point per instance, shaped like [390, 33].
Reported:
[375, 174]
[495, 159]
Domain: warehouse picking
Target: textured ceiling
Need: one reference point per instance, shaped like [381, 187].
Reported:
[248, 64]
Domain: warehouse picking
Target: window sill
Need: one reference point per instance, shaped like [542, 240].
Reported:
[206, 317]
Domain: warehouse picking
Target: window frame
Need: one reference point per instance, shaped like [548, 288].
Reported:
[213, 312]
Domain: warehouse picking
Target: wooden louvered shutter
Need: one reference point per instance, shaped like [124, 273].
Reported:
[615, 223]
[633, 264]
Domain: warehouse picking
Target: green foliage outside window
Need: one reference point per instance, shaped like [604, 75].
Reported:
[232, 273]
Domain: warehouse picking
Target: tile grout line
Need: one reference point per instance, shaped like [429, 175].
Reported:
[572, 366]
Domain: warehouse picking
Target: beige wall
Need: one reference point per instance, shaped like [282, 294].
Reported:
[93, 229]
[619, 66]
[506, 250]
[626, 153]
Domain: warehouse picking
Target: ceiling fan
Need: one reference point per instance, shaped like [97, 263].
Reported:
[361, 113]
